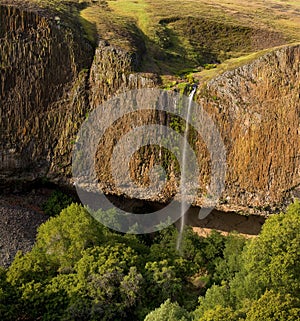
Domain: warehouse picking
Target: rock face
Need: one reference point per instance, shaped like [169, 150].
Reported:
[257, 110]
[51, 79]
[112, 72]
[42, 94]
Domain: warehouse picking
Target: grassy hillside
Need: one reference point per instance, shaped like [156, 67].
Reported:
[183, 37]
[195, 33]
[276, 15]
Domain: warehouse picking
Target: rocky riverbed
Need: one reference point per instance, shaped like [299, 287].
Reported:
[20, 216]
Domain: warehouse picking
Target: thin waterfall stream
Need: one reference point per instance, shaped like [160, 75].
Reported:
[184, 206]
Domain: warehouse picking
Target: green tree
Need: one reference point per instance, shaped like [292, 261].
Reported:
[9, 298]
[215, 296]
[47, 277]
[271, 261]
[169, 311]
[56, 203]
[220, 313]
[33, 266]
[108, 276]
[59, 245]
[274, 307]
[268, 262]
[162, 281]
[212, 251]
[231, 263]
[181, 265]
[64, 237]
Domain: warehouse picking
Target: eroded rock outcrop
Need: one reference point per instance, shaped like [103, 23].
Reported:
[113, 72]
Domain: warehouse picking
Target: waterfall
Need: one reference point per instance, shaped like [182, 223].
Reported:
[183, 170]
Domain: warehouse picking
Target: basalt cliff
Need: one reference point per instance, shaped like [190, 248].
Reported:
[52, 77]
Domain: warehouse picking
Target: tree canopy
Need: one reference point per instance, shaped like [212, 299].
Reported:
[81, 270]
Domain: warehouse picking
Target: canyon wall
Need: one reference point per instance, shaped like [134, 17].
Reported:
[257, 110]
[51, 79]
[42, 95]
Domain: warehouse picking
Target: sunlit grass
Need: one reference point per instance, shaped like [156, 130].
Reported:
[272, 15]
[230, 64]
[152, 16]
[254, 13]
[135, 9]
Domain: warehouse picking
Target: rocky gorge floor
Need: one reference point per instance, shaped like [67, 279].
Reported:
[20, 216]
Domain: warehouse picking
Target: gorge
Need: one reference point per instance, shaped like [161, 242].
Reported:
[53, 76]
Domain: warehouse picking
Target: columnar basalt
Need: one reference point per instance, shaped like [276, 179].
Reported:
[41, 92]
[51, 78]
[257, 109]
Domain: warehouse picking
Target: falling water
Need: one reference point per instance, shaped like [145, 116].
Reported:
[183, 170]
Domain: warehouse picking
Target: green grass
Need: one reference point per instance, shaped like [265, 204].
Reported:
[230, 64]
[135, 9]
[187, 34]
[89, 26]
[173, 30]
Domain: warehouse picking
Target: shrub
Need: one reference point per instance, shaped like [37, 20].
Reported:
[56, 203]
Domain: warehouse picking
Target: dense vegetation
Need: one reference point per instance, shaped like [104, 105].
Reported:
[80, 270]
